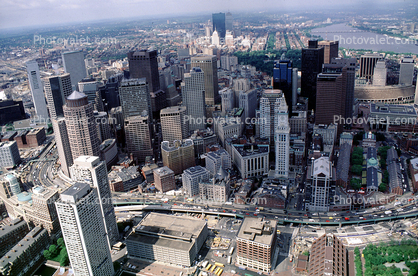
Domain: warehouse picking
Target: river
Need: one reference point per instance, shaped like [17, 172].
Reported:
[353, 38]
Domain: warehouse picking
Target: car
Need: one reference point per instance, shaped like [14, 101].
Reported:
[247, 214]
[327, 221]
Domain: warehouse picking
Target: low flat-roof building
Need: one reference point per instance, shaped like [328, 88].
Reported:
[343, 164]
[164, 179]
[391, 115]
[251, 160]
[192, 177]
[372, 170]
[166, 238]
[395, 174]
[12, 233]
[123, 179]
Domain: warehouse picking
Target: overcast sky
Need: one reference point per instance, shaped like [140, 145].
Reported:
[19, 13]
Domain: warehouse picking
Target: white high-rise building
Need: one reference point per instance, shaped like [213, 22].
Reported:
[215, 39]
[191, 178]
[36, 88]
[84, 231]
[193, 93]
[218, 159]
[406, 72]
[74, 64]
[269, 106]
[282, 140]
[248, 101]
[174, 125]
[380, 72]
[135, 98]
[91, 170]
[321, 177]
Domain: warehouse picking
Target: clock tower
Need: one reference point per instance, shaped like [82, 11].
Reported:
[281, 138]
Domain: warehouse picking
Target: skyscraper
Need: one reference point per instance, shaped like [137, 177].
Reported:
[135, 97]
[63, 144]
[283, 79]
[191, 178]
[269, 106]
[282, 140]
[144, 64]
[36, 88]
[330, 50]
[74, 64]
[320, 178]
[228, 22]
[84, 231]
[367, 64]
[218, 20]
[173, 123]
[406, 73]
[138, 137]
[312, 60]
[89, 86]
[81, 126]
[91, 170]
[208, 64]
[193, 94]
[57, 89]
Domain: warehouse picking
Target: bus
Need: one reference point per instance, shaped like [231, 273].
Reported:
[208, 267]
[220, 272]
[213, 268]
[219, 264]
[229, 259]
[217, 270]
[231, 250]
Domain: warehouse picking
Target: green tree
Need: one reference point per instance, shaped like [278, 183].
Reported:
[53, 250]
[60, 242]
[357, 169]
[355, 183]
[64, 259]
[383, 187]
[306, 253]
[47, 255]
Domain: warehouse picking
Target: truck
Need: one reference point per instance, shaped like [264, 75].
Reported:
[229, 259]
[388, 212]
[231, 250]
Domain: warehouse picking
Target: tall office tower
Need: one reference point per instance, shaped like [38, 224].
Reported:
[84, 231]
[295, 86]
[81, 126]
[43, 212]
[228, 61]
[256, 242]
[9, 154]
[110, 92]
[138, 137]
[144, 64]
[331, 94]
[321, 179]
[13, 185]
[191, 178]
[227, 99]
[241, 84]
[74, 64]
[90, 87]
[36, 88]
[178, 157]
[406, 74]
[282, 140]
[328, 256]
[174, 125]
[91, 170]
[380, 73]
[282, 79]
[350, 63]
[208, 64]
[103, 128]
[215, 39]
[269, 106]
[367, 64]
[193, 93]
[248, 101]
[57, 89]
[330, 50]
[135, 97]
[416, 94]
[228, 22]
[218, 20]
[63, 144]
[312, 60]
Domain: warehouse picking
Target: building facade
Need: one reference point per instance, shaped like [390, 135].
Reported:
[138, 137]
[191, 178]
[208, 64]
[135, 97]
[173, 123]
[164, 179]
[74, 64]
[178, 157]
[35, 84]
[193, 94]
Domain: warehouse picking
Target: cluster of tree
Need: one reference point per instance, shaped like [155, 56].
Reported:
[355, 183]
[383, 153]
[376, 256]
[271, 42]
[57, 252]
[357, 262]
[357, 138]
[357, 156]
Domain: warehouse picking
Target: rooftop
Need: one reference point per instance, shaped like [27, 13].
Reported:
[258, 230]
[393, 109]
[163, 171]
[251, 149]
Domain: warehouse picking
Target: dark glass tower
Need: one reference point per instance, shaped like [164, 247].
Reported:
[218, 20]
[144, 64]
[312, 60]
[282, 79]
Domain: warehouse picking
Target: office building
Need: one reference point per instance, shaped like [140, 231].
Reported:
[122, 179]
[178, 157]
[84, 231]
[282, 141]
[11, 110]
[228, 22]
[343, 165]
[247, 100]
[350, 63]
[36, 89]
[10, 186]
[216, 189]
[57, 89]
[74, 64]
[330, 50]
[241, 84]
[26, 255]
[328, 256]
[228, 126]
[283, 79]
[251, 160]
[110, 92]
[312, 60]
[406, 73]
[63, 144]
[322, 179]
[191, 178]
[227, 99]
[256, 241]
[9, 154]
[228, 62]
[174, 125]
[91, 170]
[81, 126]
[215, 39]
[135, 97]
[144, 64]
[269, 106]
[90, 87]
[216, 160]
[138, 137]
[12, 233]
[169, 239]
[380, 73]
[367, 64]
[208, 64]
[103, 128]
[201, 139]
[193, 93]
[164, 179]
[42, 212]
[218, 20]
[327, 132]
[158, 102]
